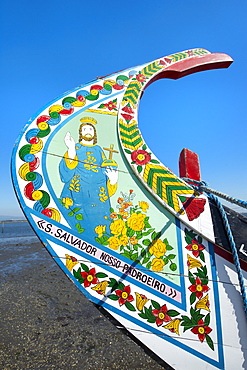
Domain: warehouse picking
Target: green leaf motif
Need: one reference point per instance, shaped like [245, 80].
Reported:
[152, 320]
[209, 342]
[202, 256]
[146, 242]
[173, 267]
[171, 256]
[127, 151]
[188, 239]
[142, 315]
[155, 235]
[114, 297]
[125, 254]
[192, 298]
[199, 239]
[148, 312]
[204, 281]
[147, 232]
[112, 283]
[134, 256]
[146, 259]
[207, 320]
[120, 286]
[156, 305]
[130, 306]
[139, 235]
[191, 278]
[172, 313]
[81, 230]
[169, 247]
[130, 232]
[77, 274]
[79, 217]
[101, 275]
[187, 323]
[84, 267]
[143, 252]
[139, 168]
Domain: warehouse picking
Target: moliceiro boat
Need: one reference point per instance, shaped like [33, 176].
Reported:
[153, 251]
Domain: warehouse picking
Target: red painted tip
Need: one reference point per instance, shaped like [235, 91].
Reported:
[189, 165]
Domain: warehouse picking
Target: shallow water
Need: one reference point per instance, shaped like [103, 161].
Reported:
[17, 239]
[15, 229]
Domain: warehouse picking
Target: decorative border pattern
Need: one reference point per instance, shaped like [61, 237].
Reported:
[169, 188]
[157, 177]
[34, 136]
[151, 311]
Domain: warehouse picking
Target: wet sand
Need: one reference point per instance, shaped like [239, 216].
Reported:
[46, 323]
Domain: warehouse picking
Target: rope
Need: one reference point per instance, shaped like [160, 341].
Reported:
[202, 186]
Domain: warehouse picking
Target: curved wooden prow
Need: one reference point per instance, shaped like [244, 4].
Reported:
[181, 68]
[191, 65]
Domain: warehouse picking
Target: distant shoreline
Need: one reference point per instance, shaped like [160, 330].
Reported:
[11, 221]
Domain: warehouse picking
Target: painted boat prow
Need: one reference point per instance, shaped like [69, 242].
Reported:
[137, 240]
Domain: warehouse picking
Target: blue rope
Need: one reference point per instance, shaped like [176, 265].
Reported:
[200, 186]
[203, 186]
[233, 248]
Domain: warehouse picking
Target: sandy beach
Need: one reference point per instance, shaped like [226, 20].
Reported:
[46, 323]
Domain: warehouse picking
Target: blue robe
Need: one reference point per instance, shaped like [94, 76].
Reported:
[85, 197]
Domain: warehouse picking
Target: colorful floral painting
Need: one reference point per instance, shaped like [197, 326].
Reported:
[158, 314]
[132, 235]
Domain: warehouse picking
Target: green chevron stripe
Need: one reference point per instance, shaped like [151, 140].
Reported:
[179, 56]
[160, 180]
[132, 143]
[132, 92]
[130, 98]
[129, 128]
[150, 70]
[153, 67]
[154, 171]
[200, 52]
[169, 190]
[128, 136]
[134, 85]
[146, 72]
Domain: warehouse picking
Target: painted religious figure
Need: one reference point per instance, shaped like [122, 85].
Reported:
[89, 178]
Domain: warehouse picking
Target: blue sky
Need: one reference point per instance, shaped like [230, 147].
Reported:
[53, 46]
